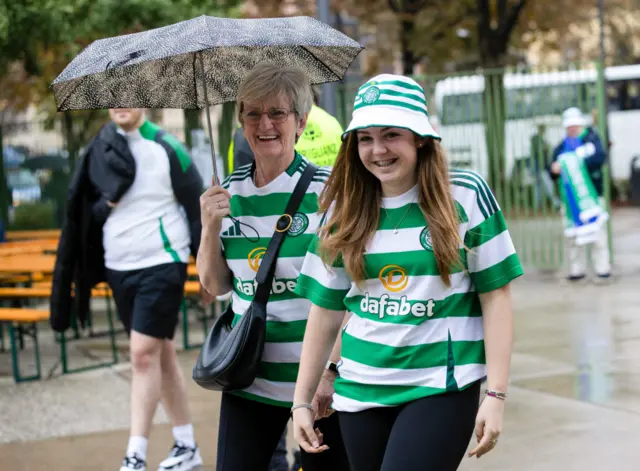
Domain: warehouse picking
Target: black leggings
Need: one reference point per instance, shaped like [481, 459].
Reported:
[249, 432]
[429, 434]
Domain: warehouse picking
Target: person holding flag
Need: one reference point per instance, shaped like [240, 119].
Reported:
[577, 164]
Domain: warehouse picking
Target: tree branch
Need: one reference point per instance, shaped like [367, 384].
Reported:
[484, 15]
[441, 31]
[505, 29]
[503, 7]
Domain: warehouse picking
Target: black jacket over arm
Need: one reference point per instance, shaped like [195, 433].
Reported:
[105, 172]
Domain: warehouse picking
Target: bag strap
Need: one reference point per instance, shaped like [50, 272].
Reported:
[268, 266]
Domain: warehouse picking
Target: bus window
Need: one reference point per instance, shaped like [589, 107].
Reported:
[633, 95]
[614, 102]
[460, 109]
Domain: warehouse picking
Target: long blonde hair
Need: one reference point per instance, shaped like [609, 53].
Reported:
[354, 195]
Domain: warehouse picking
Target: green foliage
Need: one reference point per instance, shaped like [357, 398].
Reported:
[26, 24]
[33, 216]
[30, 29]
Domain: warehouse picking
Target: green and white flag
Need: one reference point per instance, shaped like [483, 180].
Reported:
[584, 214]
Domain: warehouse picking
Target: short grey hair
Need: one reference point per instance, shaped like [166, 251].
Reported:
[268, 80]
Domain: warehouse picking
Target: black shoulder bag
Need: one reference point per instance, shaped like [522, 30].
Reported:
[229, 357]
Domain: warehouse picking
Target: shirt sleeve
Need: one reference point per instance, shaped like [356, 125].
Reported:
[323, 285]
[492, 260]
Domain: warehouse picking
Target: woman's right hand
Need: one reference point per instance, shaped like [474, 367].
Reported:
[310, 440]
[215, 205]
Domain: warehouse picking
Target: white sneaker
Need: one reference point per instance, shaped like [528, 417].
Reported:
[181, 458]
[133, 461]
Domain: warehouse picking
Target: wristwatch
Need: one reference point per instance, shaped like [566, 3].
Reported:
[333, 367]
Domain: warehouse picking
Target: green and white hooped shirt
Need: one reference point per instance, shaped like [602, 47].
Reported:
[409, 335]
[287, 312]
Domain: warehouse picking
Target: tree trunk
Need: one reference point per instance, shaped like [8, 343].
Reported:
[191, 121]
[72, 142]
[494, 33]
[408, 57]
[155, 115]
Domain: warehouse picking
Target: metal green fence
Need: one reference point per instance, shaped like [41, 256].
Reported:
[505, 124]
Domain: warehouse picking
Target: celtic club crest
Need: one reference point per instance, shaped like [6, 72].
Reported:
[371, 95]
[425, 239]
[299, 224]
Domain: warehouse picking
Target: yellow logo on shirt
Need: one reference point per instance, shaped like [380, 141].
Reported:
[255, 257]
[394, 278]
[249, 288]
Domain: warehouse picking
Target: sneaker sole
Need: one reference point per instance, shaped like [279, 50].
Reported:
[192, 464]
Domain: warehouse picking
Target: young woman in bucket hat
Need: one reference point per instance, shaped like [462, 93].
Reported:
[420, 257]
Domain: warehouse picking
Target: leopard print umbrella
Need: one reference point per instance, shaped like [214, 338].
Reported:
[161, 68]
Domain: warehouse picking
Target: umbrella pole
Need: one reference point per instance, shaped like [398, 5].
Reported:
[216, 180]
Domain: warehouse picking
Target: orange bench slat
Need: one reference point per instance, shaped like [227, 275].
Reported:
[43, 290]
[19, 314]
[25, 292]
[192, 288]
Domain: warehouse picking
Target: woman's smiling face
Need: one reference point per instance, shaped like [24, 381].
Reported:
[271, 128]
[391, 155]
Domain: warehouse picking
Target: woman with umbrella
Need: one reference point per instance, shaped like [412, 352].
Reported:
[273, 105]
[421, 257]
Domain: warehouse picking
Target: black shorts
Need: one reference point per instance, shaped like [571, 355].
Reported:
[148, 300]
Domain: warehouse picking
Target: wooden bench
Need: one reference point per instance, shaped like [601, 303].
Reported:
[21, 322]
[21, 315]
[13, 279]
[42, 290]
[36, 234]
[192, 288]
[24, 292]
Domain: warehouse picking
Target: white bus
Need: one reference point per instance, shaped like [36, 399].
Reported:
[532, 99]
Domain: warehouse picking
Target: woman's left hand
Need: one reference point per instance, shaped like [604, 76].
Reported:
[324, 396]
[488, 425]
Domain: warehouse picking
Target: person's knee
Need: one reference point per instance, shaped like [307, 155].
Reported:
[145, 355]
[168, 357]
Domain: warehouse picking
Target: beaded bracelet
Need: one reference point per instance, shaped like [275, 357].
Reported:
[298, 406]
[497, 394]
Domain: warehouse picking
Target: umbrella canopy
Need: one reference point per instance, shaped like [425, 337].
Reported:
[198, 62]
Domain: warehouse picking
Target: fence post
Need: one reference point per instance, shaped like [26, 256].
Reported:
[4, 187]
[601, 96]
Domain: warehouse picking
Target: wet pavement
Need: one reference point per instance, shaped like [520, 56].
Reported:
[574, 399]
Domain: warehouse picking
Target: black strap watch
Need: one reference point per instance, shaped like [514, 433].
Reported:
[333, 367]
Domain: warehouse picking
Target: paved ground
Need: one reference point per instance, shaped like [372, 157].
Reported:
[574, 400]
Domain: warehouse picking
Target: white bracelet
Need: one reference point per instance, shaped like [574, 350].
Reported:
[298, 406]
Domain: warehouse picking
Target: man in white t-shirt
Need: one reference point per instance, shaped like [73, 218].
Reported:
[148, 236]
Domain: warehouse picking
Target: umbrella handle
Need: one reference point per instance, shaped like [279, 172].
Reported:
[216, 180]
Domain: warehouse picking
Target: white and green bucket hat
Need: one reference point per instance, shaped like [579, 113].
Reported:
[391, 100]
